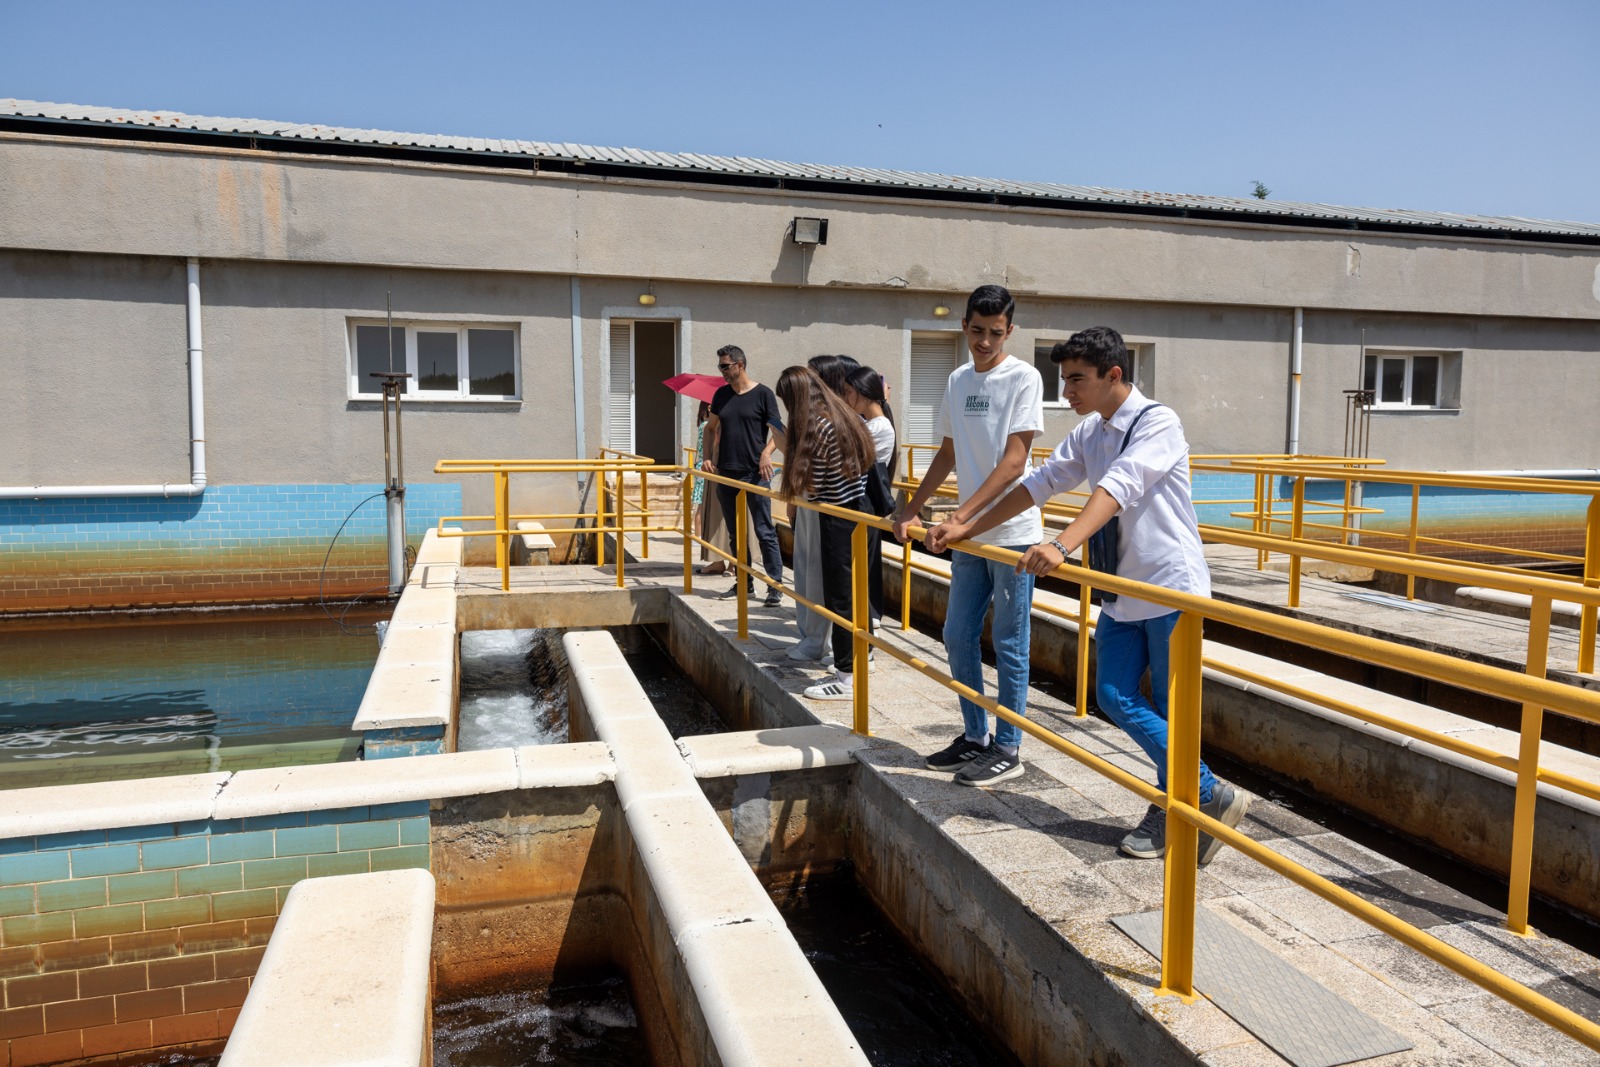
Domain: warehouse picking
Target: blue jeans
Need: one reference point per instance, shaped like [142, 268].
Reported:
[1122, 650]
[974, 583]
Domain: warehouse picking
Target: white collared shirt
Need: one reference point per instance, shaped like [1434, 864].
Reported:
[1158, 536]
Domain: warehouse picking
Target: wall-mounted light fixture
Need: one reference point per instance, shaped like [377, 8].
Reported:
[648, 297]
[809, 231]
[941, 312]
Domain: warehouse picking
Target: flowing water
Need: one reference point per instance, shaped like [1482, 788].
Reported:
[514, 687]
[588, 1025]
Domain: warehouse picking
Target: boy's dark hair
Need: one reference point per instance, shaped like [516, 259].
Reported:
[733, 353]
[1099, 346]
[991, 300]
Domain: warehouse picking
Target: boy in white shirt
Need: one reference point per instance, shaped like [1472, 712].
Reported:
[1134, 455]
[992, 410]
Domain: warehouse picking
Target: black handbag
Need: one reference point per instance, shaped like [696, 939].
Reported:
[880, 494]
[1101, 548]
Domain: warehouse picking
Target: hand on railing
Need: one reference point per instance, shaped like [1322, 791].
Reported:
[903, 525]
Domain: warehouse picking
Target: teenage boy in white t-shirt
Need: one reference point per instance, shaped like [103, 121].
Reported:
[1134, 456]
[992, 410]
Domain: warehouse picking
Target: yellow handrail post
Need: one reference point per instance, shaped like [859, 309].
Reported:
[688, 527]
[1589, 614]
[911, 462]
[622, 521]
[860, 622]
[1271, 490]
[1528, 772]
[600, 518]
[1346, 520]
[1183, 787]
[741, 563]
[1262, 526]
[905, 586]
[644, 514]
[502, 522]
[1296, 529]
[1416, 506]
[1082, 697]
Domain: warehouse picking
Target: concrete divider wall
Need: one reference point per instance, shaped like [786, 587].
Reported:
[736, 987]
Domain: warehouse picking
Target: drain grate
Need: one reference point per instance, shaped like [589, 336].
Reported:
[1296, 1017]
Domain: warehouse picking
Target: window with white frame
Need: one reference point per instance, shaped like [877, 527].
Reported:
[446, 360]
[1412, 380]
[1138, 355]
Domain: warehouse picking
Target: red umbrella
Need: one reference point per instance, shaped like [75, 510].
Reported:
[695, 386]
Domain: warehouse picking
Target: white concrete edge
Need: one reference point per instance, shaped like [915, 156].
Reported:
[345, 978]
[792, 748]
[1509, 599]
[57, 809]
[535, 537]
[414, 681]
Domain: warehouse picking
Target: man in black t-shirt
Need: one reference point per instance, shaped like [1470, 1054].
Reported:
[738, 435]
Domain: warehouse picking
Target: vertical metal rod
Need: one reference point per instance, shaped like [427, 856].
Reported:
[1267, 526]
[502, 521]
[1411, 539]
[499, 520]
[622, 522]
[1296, 528]
[1589, 615]
[1344, 527]
[1183, 787]
[741, 564]
[1082, 697]
[860, 622]
[644, 513]
[905, 586]
[688, 527]
[1262, 524]
[600, 516]
[1528, 772]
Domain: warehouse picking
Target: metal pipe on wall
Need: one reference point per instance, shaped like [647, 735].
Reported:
[1296, 353]
[197, 427]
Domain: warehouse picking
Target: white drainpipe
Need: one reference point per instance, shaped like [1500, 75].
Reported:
[1296, 351]
[197, 430]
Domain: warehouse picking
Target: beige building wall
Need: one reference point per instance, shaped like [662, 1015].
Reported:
[93, 238]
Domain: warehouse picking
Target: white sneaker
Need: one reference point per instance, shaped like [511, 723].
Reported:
[839, 687]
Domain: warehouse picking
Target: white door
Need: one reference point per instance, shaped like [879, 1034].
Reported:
[619, 395]
[933, 357]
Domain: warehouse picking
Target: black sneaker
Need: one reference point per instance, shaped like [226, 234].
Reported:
[773, 598]
[990, 767]
[1227, 805]
[733, 591]
[954, 756]
[1148, 841]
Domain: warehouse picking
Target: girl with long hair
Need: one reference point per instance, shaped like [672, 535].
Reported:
[827, 457]
[864, 393]
[815, 630]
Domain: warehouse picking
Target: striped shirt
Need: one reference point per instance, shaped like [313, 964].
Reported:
[829, 484]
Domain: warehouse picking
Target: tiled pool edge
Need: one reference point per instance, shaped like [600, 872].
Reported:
[139, 926]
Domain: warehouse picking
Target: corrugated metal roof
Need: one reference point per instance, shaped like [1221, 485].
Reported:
[866, 177]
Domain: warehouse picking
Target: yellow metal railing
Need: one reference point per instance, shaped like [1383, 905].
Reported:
[1530, 689]
[1299, 544]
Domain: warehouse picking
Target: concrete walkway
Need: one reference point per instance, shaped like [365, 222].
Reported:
[1049, 839]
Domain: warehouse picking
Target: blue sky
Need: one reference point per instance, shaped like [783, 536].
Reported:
[1467, 106]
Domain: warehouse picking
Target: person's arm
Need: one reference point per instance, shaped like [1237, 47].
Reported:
[939, 468]
[1013, 462]
[1061, 471]
[1044, 558]
[713, 439]
[773, 425]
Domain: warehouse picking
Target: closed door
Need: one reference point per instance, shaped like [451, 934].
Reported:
[933, 357]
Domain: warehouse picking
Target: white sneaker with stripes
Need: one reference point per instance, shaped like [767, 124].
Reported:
[839, 687]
